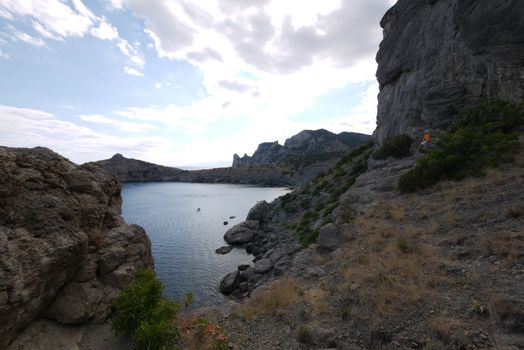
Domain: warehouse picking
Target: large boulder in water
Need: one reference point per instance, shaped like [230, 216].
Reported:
[65, 251]
[242, 233]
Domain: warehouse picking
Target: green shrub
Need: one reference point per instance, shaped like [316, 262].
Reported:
[142, 313]
[307, 237]
[481, 137]
[397, 146]
[158, 331]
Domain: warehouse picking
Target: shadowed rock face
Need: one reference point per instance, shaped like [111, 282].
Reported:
[65, 251]
[438, 54]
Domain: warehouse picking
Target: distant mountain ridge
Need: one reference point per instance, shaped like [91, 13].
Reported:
[128, 169]
[306, 147]
[300, 159]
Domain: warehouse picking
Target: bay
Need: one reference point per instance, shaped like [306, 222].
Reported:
[184, 238]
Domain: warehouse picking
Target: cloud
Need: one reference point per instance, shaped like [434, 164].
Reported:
[17, 35]
[132, 71]
[234, 85]
[104, 31]
[55, 16]
[3, 55]
[132, 52]
[23, 127]
[122, 125]
[58, 20]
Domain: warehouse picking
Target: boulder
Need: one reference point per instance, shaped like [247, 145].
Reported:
[241, 233]
[263, 266]
[330, 238]
[224, 250]
[259, 212]
[229, 282]
[63, 243]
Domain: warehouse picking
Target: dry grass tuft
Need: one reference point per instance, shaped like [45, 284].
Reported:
[443, 327]
[508, 245]
[272, 300]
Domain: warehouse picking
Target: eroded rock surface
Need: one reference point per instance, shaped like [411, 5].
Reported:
[65, 251]
[447, 53]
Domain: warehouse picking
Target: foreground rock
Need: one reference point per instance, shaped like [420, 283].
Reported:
[449, 53]
[65, 251]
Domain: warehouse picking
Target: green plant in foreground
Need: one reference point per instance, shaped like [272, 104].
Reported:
[142, 313]
[481, 137]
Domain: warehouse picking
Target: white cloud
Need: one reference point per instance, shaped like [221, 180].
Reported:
[132, 52]
[104, 31]
[122, 125]
[17, 35]
[58, 20]
[158, 85]
[23, 127]
[3, 55]
[55, 16]
[295, 51]
[132, 71]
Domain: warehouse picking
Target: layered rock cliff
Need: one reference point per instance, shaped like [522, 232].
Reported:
[65, 251]
[438, 54]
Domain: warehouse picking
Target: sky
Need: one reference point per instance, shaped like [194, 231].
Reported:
[184, 83]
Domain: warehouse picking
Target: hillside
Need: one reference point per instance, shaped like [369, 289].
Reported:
[440, 269]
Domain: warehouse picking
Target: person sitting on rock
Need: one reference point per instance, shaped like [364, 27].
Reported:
[426, 141]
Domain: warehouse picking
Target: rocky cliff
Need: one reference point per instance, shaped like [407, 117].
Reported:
[308, 146]
[65, 251]
[438, 54]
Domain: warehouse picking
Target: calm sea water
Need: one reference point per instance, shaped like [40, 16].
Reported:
[184, 239]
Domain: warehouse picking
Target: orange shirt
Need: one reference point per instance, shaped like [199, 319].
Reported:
[426, 137]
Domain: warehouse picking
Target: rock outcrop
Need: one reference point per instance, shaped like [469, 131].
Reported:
[65, 251]
[305, 147]
[438, 54]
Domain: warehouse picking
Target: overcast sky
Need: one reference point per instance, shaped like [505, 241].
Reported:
[184, 83]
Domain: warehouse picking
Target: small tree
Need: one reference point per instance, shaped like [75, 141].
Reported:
[142, 313]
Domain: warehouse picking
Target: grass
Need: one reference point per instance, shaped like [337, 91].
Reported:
[481, 137]
[443, 327]
[274, 299]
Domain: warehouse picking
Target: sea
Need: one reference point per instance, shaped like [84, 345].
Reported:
[186, 222]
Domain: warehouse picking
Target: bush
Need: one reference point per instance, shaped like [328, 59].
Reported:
[142, 313]
[397, 146]
[481, 137]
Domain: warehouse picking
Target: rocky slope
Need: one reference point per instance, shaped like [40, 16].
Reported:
[439, 54]
[65, 251]
[441, 269]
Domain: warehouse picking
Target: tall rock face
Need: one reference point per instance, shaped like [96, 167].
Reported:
[308, 145]
[65, 251]
[438, 54]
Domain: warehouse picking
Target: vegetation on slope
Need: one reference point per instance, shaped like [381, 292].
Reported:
[314, 203]
[481, 137]
[153, 322]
